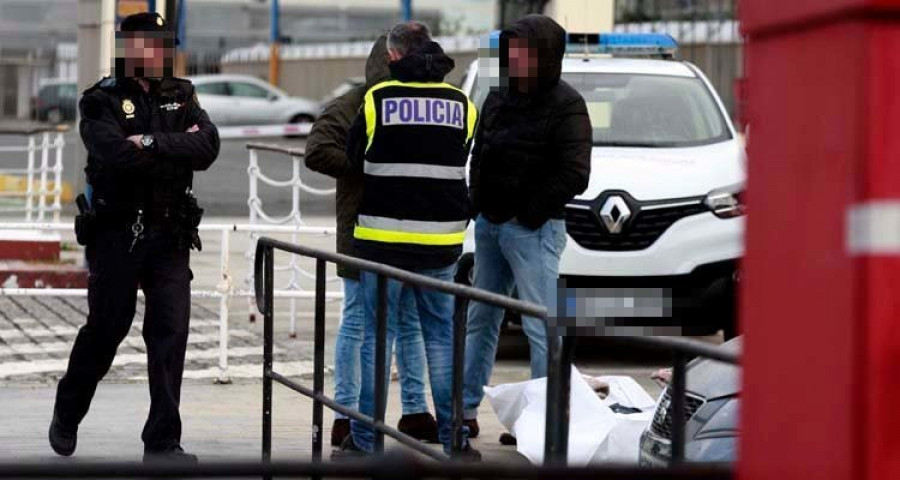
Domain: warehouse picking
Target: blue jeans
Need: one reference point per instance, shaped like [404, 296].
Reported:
[410, 354]
[510, 255]
[436, 318]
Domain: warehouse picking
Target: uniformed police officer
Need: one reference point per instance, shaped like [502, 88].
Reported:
[145, 134]
[411, 141]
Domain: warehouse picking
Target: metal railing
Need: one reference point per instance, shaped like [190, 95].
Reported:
[224, 290]
[41, 195]
[560, 348]
[258, 216]
[403, 465]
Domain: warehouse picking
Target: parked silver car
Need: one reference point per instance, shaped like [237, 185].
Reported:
[712, 407]
[247, 100]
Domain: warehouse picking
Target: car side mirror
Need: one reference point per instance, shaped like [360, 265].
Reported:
[272, 97]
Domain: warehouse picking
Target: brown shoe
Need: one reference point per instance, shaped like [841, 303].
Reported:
[420, 426]
[473, 427]
[340, 430]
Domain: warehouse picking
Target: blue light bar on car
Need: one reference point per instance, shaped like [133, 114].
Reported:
[621, 44]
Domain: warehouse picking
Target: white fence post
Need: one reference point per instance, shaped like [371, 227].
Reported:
[224, 288]
[57, 176]
[29, 178]
[45, 167]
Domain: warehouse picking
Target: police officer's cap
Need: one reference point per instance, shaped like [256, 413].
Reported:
[145, 22]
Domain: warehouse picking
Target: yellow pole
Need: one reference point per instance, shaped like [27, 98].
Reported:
[274, 62]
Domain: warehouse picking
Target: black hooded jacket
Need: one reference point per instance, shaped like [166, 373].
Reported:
[532, 151]
[326, 149]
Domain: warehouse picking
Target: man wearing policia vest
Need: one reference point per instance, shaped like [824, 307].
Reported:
[411, 141]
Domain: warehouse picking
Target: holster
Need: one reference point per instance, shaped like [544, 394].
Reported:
[85, 221]
[187, 220]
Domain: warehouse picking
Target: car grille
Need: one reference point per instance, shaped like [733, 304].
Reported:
[662, 419]
[644, 229]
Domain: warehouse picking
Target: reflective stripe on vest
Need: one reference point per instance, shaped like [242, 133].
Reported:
[414, 170]
[411, 226]
[389, 236]
[371, 115]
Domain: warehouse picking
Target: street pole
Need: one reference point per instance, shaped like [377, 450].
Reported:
[274, 38]
[406, 8]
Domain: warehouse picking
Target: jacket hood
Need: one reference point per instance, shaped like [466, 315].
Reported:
[427, 64]
[377, 64]
[549, 38]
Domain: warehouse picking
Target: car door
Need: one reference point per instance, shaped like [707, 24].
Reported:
[253, 103]
[214, 98]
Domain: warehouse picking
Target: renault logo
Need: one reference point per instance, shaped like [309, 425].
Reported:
[615, 213]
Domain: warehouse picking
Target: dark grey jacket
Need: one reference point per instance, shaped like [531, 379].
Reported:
[326, 150]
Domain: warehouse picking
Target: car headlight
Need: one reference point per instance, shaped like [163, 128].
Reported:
[726, 202]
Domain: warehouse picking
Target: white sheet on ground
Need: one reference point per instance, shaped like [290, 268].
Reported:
[596, 433]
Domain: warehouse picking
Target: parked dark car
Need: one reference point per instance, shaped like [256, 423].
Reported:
[56, 101]
[712, 407]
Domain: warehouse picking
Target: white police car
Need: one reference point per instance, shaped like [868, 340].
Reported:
[662, 220]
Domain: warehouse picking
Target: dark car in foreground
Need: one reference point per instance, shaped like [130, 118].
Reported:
[711, 413]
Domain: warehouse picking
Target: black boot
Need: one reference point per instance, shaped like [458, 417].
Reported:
[63, 438]
[473, 427]
[349, 450]
[340, 430]
[174, 454]
[467, 454]
[420, 426]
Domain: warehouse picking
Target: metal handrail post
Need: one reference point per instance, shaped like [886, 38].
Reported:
[560, 352]
[319, 361]
[381, 360]
[679, 412]
[268, 321]
[459, 356]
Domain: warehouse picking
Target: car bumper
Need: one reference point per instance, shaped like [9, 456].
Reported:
[688, 244]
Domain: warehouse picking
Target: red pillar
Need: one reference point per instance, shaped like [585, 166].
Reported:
[821, 304]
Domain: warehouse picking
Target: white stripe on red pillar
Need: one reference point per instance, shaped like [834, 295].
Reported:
[873, 228]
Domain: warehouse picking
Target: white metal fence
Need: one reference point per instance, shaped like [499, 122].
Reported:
[225, 290]
[294, 218]
[260, 222]
[41, 171]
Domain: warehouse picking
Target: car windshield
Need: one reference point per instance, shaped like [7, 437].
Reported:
[630, 110]
[649, 110]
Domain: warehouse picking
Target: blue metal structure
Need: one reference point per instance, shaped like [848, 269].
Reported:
[406, 9]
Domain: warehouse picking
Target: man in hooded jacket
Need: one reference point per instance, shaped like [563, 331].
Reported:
[531, 156]
[411, 141]
[326, 153]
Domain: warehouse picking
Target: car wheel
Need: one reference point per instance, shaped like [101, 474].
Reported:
[54, 116]
[302, 118]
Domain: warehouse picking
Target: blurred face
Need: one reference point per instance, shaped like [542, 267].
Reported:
[523, 62]
[144, 54]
